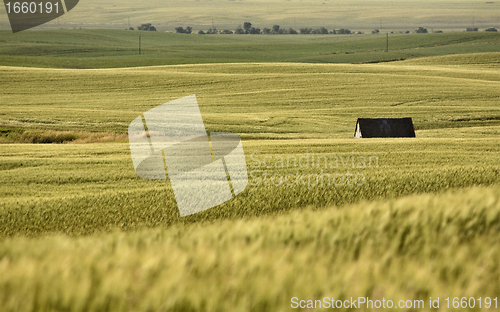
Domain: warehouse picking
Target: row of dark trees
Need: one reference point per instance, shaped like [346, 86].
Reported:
[276, 29]
[477, 29]
[181, 30]
[147, 27]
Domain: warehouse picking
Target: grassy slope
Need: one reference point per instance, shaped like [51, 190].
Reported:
[81, 189]
[258, 260]
[112, 48]
[406, 249]
[264, 100]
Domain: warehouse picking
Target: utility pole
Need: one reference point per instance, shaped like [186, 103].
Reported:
[139, 44]
[387, 43]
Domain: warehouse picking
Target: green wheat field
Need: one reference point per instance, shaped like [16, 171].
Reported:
[79, 231]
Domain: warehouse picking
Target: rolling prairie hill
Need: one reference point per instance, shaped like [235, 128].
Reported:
[278, 109]
[87, 49]
[79, 231]
[364, 15]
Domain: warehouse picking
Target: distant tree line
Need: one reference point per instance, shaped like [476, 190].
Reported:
[249, 29]
[421, 30]
[477, 29]
[181, 30]
[147, 27]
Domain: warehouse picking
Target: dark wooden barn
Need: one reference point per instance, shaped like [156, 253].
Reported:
[384, 128]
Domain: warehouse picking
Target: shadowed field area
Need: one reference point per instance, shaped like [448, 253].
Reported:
[81, 49]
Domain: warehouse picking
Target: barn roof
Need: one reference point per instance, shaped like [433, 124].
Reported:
[384, 128]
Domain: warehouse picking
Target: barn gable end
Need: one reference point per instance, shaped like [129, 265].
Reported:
[384, 128]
